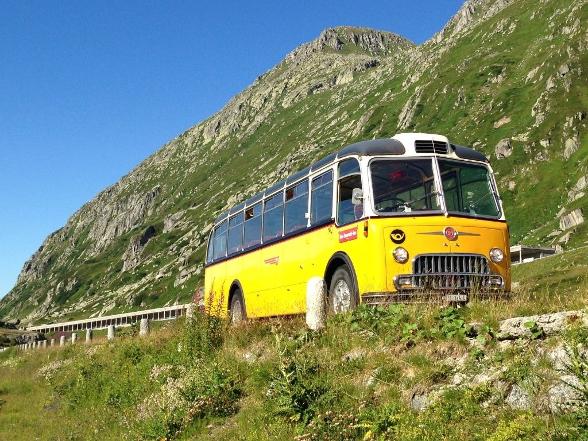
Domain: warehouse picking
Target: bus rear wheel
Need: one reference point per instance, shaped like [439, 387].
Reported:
[342, 291]
[237, 312]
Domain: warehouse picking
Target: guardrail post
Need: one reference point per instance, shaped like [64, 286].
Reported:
[74, 337]
[62, 340]
[190, 310]
[316, 303]
[44, 344]
[52, 342]
[88, 335]
[144, 327]
[110, 335]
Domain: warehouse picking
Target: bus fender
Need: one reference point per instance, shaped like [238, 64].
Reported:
[338, 259]
[234, 286]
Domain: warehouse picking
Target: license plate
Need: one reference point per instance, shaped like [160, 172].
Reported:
[456, 297]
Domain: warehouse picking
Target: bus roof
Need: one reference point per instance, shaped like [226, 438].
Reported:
[403, 144]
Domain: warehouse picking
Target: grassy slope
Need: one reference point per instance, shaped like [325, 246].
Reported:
[274, 380]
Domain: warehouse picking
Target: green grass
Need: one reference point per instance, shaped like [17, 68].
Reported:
[273, 379]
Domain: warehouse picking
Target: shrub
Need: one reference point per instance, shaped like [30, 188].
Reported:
[535, 330]
[202, 335]
[296, 387]
[576, 348]
[450, 324]
[523, 427]
[377, 318]
[210, 390]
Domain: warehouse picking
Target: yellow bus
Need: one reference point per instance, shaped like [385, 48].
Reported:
[380, 221]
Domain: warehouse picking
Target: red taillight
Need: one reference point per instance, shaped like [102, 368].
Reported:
[450, 233]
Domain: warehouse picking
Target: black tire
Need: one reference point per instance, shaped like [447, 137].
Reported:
[343, 295]
[237, 311]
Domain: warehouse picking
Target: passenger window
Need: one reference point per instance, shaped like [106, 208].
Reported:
[349, 167]
[219, 239]
[252, 234]
[296, 207]
[235, 243]
[273, 217]
[349, 178]
[209, 255]
[321, 202]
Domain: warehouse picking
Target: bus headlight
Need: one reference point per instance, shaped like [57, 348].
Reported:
[496, 255]
[400, 255]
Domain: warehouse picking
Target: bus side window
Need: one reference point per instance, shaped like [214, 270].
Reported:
[321, 199]
[209, 255]
[252, 234]
[349, 178]
[296, 206]
[235, 243]
[273, 217]
[219, 239]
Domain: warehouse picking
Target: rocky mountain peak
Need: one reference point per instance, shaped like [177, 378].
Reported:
[469, 15]
[349, 39]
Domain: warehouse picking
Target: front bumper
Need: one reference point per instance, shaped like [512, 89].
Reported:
[472, 282]
[448, 287]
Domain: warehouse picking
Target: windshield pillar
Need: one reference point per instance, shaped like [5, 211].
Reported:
[439, 186]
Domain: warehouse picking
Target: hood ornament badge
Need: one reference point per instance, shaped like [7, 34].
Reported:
[450, 233]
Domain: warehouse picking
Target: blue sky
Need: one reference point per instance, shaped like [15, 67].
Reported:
[88, 89]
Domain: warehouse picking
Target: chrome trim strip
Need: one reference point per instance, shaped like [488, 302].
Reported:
[440, 233]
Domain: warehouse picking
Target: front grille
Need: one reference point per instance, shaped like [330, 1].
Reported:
[429, 146]
[451, 271]
[451, 263]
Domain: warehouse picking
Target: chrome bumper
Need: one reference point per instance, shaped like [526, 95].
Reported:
[469, 282]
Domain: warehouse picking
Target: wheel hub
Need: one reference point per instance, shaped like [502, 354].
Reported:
[341, 297]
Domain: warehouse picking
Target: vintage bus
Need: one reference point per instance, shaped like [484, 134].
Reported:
[381, 220]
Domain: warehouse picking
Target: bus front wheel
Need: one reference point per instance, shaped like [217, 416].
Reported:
[342, 291]
[237, 310]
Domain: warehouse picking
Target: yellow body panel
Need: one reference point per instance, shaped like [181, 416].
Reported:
[273, 278]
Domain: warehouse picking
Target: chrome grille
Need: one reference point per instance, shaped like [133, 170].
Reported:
[450, 271]
[451, 263]
[430, 146]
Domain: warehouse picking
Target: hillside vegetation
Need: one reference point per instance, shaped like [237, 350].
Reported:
[407, 372]
[505, 76]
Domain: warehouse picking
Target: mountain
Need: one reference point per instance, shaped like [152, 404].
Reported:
[508, 77]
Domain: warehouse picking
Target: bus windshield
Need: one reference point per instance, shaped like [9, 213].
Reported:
[408, 185]
[467, 188]
[404, 186]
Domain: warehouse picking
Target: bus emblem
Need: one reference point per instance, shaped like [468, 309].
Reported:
[450, 233]
[347, 235]
[397, 236]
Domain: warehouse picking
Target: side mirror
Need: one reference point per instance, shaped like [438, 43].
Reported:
[357, 196]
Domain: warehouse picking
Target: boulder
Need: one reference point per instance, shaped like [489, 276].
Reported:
[550, 324]
[503, 149]
[564, 395]
[571, 146]
[571, 219]
[420, 401]
[518, 398]
[577, 190]
[502, 121]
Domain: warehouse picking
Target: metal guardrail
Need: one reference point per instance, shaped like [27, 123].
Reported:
[125, 319]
